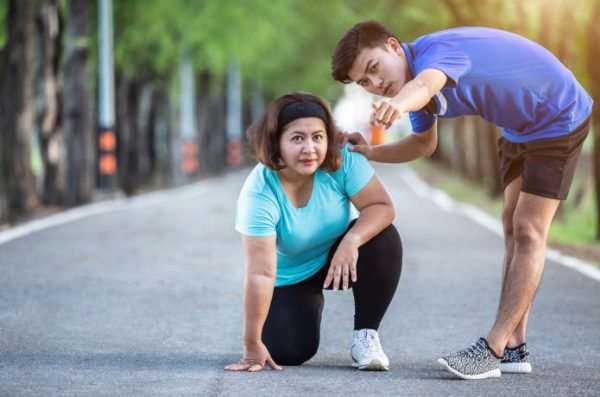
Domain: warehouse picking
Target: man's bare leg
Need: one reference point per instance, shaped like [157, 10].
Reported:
[531, 221]
[526, 221]
[511, 196]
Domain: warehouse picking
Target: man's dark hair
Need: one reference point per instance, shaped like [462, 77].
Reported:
[365, 34]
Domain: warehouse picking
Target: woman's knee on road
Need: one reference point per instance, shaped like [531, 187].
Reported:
[293, 349]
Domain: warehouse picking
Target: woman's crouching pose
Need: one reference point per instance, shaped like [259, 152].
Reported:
[296, 216]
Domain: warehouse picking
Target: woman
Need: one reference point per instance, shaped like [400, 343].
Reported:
[295, 217]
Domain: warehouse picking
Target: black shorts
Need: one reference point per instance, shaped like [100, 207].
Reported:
[546, 166]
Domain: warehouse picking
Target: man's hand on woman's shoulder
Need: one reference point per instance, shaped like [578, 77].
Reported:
[358, 142]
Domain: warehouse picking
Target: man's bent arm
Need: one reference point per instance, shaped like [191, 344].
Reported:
[410, 148]
[417, 93]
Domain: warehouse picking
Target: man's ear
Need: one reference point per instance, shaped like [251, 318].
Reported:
[394, 44]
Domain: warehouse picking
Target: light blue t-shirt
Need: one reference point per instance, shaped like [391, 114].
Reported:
[505, 78]
[304, 235]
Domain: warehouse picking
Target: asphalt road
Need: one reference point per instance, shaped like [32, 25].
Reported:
[143, 297]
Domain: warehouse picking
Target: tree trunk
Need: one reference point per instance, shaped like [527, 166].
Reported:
[458, 145]
[217, 144]
[203, 112]
[522, 14]
[78, 116]
[547, 25]
[211, 105]
[566, 44]
[444, 151]
[3, 193]
[456, 12]
[493, 168]
[211, 101]
[594, 71]
[128, 147]
[163, 164]
[51, 138]
[478, 137]
[16, 108]
[471, 153]
[173, 144]
[153, 132]
[144, 129]
[495, 14]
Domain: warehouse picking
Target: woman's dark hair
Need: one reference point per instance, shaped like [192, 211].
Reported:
[265, 133]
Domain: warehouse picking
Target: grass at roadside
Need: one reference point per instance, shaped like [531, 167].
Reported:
[572, 231]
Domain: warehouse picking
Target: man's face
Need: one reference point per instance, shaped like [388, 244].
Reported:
[381, 71]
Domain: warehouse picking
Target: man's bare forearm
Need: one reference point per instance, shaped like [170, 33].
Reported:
[413, 96]
[407, 149]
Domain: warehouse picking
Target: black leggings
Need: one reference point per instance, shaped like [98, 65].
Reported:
[292, 329]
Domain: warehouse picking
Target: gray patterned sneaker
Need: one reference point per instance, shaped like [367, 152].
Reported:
[367, 352]
[475, 362]
[516, 360]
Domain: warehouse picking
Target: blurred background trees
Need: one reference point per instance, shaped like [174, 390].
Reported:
[190, 75]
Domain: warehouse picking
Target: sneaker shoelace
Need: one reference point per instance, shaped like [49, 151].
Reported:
[475, 349]
[369, 342]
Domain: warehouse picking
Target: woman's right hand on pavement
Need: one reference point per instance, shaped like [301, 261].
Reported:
[255, 357]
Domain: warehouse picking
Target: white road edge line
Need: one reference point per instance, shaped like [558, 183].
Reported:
[445, 202]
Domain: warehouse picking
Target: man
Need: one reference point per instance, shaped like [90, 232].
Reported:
[511, 82]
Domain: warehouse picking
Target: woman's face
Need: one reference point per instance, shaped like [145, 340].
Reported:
[303, 145]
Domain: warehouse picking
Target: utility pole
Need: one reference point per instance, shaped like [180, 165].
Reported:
[234, 114]
[107, 138]
[187, 117]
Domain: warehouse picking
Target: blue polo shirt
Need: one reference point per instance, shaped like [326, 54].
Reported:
[507, 79]
[304, 235]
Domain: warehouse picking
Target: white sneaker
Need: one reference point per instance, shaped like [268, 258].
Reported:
[367, 352]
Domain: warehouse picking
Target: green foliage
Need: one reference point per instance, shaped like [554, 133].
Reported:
[287, 44]
[577, 226]
[147, 37]
[3, 21]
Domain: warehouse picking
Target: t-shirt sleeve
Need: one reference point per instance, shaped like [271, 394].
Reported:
[445, 56]
[357, 171]
[257, 214]
[421, 121]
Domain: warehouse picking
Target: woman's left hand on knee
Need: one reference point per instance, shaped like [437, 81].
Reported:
[343, 266]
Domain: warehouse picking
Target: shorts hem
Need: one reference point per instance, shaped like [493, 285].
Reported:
[505, 183]
[545, 194]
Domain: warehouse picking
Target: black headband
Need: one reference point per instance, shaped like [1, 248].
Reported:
[297, 110]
